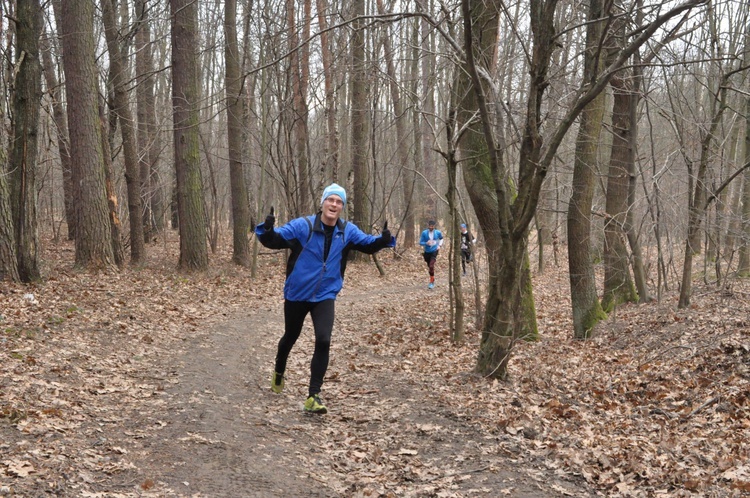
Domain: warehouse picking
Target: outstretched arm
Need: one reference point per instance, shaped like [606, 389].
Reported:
[369, 244]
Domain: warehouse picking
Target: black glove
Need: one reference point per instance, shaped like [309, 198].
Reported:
[270, 220]
[386, 234]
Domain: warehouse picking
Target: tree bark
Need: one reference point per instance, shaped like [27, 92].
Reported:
[298, 70]
[27, 96]
[124, 115]
[330, 166]
[618, 286]
[115, 225]
[744, 256]
[360, 119]
[744, 250]
[61, 129]
[93, 246]
[148, 138]
[190, 202]
[587, 310]
[698, 202]
[235, 112]
[8, 261]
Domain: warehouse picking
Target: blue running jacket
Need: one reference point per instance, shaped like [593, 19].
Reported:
[308, 277]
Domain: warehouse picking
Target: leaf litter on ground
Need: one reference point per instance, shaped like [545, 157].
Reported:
[657, 403]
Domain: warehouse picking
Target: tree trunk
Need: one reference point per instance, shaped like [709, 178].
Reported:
[639, 271]
[427, 121]
[26, 104]
[330, 165]
[148, 138]
[587, 310]
[618, 286]
[124, 115]
[115, 226]
[61, 128]
[8, 261]
[457, 295]
[93, 247]
[403, 145]
[744, 257]
[235, 112]
[190, 202]
[486, 178]
[698, 204]
[297, 72]
[744, 251]
[360, 119]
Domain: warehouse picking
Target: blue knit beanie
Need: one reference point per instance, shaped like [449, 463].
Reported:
[334, 189]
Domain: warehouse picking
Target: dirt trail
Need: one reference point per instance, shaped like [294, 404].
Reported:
[220, 431]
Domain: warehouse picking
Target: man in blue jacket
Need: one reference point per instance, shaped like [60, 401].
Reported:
[431, 240]
[314, 276]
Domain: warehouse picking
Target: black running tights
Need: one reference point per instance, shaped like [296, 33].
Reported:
[322, 314]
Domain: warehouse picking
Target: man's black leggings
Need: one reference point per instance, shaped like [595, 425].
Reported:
[322, 314]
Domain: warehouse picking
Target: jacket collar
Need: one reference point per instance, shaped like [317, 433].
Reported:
[318, 223]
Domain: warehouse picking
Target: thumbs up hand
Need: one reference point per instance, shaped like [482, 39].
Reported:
[386, 234]
[270, 220]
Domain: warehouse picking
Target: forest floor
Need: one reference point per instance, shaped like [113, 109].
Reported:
[151, 382]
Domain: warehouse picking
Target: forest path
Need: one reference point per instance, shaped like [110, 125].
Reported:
[220, 431]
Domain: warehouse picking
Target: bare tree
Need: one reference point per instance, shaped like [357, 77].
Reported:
[190, 203]
[506, 226]
[127, 125]
[151, 192]
[61, 128]
[618, 285]
[298, 71]
[744, 256]
[330, 162]
[360, 119]
[27, 94]
[93, 238]
[587, 310]
[235, 105]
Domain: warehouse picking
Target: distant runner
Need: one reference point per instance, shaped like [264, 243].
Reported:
[431, 240]
[467, 241]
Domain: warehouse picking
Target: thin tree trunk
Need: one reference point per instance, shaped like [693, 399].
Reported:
[127, 130]
[61, 128]
[458, 305]
[153, 209]
[402, 134]
[330, 164]
[744, 256]
[360, 118]
[697, 205]
[639, 271]
[26, 103]
[299, 106]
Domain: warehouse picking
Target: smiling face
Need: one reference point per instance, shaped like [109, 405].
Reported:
[331, 209]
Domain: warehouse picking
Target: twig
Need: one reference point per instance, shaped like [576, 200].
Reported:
[458, 473]
[702, 407]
